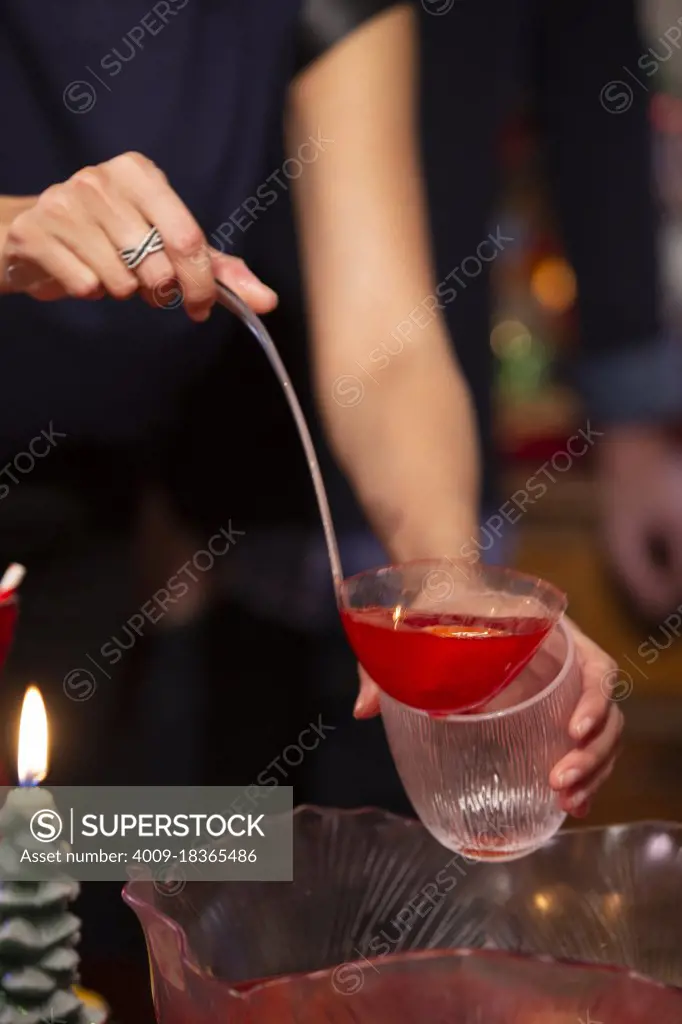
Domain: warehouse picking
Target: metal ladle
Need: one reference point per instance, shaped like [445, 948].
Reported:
[228, 299]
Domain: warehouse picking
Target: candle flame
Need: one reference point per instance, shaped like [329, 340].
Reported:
[12, 579]
[33, 739]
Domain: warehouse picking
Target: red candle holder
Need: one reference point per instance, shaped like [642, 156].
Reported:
[9, 613]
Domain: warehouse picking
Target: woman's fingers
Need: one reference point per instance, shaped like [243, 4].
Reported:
[125, 227]
[144, 186]
[70, 241]
[576, 801]
[59, 244]
[187, 266]
[585, 760]
[71, 223]
[597, 725]
[35, 256]
[591, 712]
[367, 704]
[600, 673]
[580, 812]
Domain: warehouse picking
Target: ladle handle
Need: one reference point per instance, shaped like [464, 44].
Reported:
[231, 301]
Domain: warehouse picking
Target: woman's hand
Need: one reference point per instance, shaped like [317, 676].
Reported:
[596, 726]
[367, 704]
[67, 243]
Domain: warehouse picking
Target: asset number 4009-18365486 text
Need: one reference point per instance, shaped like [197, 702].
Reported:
[200, 856]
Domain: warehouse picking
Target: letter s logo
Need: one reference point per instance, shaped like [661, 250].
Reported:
[46, 826]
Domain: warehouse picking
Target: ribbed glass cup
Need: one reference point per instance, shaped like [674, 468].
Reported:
[480, 782]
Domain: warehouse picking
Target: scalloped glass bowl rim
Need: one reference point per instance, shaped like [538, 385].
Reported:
[492, 955]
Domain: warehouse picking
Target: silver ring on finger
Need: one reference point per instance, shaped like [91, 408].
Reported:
[152, 242]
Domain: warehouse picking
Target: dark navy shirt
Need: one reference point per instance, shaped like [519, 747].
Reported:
[199, 87]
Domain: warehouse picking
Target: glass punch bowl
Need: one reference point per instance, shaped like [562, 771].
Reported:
[382, 925]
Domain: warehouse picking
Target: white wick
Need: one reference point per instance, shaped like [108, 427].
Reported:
[11, 581]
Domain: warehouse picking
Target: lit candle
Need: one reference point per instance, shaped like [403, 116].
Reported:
[38, 935]
[22, 803]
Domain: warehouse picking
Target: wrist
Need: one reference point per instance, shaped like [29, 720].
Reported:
[447, 535]
[11, 207]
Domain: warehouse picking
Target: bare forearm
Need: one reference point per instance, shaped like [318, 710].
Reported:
[402, 427]
[409, 448]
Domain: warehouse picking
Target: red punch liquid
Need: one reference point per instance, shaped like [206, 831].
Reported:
[445, 664]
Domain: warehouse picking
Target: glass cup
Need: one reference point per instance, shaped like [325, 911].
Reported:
[480, 782]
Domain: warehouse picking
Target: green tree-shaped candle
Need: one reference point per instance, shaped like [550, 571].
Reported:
[38, 933]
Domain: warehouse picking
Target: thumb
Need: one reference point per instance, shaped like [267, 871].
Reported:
[367, 704]
[241, 279]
